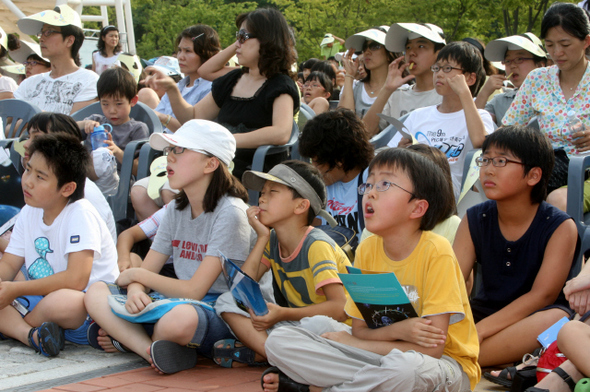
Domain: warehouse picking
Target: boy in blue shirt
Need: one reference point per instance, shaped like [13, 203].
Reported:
[405, 196]
[524, 246]
[63, 245]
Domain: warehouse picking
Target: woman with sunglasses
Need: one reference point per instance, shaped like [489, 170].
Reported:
[376, 60]
[256, 102]
[108, 51]
[550, 93]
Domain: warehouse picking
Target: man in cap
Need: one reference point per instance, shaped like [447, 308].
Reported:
[67, 87]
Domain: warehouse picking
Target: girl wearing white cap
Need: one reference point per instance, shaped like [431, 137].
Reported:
[376, 59]
[206, 218]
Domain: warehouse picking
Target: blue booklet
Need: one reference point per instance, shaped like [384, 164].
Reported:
[153, 311]
[379, 296]
[245, 290]
[550, 334]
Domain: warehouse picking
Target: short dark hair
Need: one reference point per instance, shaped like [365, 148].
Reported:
[325, 67]
[66, 157]
[314, 178]
[308, 64]
[531, 147]
[222, 183]
[468, 57]
[206, 45]
[117, 83]
[101, 45]
[323, 79]
[48, 122]
[571, 18]
[277, 42]
[428, 182]
[441, 160]
[78, 35]
[37, 58]
[337, 137]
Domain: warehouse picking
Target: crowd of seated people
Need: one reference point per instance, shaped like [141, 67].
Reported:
[65, 264]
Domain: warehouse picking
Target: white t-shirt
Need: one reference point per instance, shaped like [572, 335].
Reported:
[46, 248]
[7, 84]
[97, 199]
[447, 132]
[58, 95]
[342, 203]
[405, 99]
[102, 63]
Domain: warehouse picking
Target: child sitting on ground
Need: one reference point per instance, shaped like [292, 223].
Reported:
[317, 90]
[206, 218]
[405, 195]
[63, 244]
[524, 247]
[117, 93]
[305, 261]
[456, 125]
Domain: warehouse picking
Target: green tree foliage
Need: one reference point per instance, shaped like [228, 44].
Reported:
[158, 22]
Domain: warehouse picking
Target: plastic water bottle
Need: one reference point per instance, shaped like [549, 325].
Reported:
[575, 125]
[99, 135]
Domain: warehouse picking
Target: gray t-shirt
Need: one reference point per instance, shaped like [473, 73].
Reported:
[188, 240]
[499, 104]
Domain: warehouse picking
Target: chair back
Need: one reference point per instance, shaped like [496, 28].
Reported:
[17, 113]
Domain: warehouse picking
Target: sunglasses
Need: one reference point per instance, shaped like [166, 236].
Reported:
[243, 36]
[373, 46]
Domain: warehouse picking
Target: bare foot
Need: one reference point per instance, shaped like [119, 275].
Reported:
[271, 382]
[104, 341]
[151, 362]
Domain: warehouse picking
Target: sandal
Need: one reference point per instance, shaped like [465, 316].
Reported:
[286, 384]
[169, 357]
[92, 337]
[564, 376]
[502, 378]
[225, 352]
[51, 339]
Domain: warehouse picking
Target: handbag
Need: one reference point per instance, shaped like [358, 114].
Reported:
[346, 238]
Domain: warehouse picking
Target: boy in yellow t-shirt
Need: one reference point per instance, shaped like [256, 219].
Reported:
[404, 197]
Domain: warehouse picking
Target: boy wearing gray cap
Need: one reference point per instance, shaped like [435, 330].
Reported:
[304, 260]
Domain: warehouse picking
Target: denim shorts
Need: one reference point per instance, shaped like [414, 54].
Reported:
[77, 335]
[210, 327]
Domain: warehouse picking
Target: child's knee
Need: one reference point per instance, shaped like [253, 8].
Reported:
[177, 325]
[572, 330]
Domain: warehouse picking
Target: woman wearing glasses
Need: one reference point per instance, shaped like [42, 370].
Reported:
[256, 102]
[376, 60]
[108, 51]
[550, 93]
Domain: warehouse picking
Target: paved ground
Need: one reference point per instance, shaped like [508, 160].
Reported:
[84, 369]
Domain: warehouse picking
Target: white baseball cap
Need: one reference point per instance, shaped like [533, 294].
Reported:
[26, 49]
[496, 49]
[33, 24]
[168, 65]
[399, 34]
[328, 39]
[201, 136]
[357, 40]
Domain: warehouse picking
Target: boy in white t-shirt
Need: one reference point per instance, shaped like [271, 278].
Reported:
[420, 43]
[61, 243]
[456, 125]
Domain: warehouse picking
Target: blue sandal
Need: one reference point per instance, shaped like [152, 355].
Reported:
[225, 352]
[51, 339]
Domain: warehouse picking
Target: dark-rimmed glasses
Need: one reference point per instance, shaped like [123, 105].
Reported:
[446, 68]
[496, 161]
[516, 61]
[177, 150]
[47, 33]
